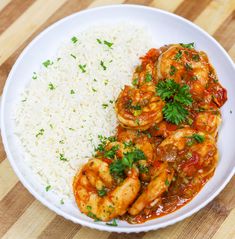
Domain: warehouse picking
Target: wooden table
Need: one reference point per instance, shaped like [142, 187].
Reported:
[21, 216]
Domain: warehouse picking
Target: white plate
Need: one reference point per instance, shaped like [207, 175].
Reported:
[165, 28]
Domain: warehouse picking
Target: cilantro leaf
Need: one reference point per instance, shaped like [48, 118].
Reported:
[189, 45]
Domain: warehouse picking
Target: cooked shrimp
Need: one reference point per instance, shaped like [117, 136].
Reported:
[138, 109]
[208, 122]
[115, 202]
[160, 181]
[193, 152]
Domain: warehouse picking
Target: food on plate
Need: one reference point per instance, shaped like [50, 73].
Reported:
[164, 148]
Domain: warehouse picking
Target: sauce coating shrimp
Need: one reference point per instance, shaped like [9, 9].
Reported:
[116, 200]
[138, 109]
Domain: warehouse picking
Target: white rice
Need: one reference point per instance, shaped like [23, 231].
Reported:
[70, 123]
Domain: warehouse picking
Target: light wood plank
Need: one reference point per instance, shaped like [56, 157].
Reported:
[3, 3]
[7, 178]
[31, 223]
[25, 25]
[231, 52]
[98, 3]
[216, 12]
[227, 229]
[88, 233]
[165, 5]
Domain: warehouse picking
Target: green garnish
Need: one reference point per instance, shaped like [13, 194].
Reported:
[72, 92]
[61, 201]
[82, 68]
[61, 141]
[34, 77]
[117, 167]
[41, 132]
[99, 41]
[73, 56]
[62, 158]
[137, 121]
[24, 100]
[105, 106]
[102, 64]
[178, 55]
[167, 183]
[143, 169]
[135, 81]
[127, 144]
[189, 45]
[51, 126]
[136, 107]
[197, 137]
[92, 215]
[188, 67]
[51, 86]
[196, 58]
[106, 82]
[71, 129]
[48, 188]
[148, 77]
[109, 44]
[112, 152]
[102, 192]
[47, 63]
[93, 89]
[113, 223]
[173, 70]
[88, 207]
[74, 39]
[177, 97]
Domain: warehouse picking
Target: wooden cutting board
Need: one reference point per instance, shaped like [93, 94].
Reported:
[21, 216]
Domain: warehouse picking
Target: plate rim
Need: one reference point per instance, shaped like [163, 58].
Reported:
[58, 211]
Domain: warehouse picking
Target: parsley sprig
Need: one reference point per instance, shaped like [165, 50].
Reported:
[177, 98]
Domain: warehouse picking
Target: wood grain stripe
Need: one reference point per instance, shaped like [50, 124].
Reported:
[227, 229]
[139, 2]
[191, 9]
[232, 52]
[12, 206]
[25, 25]
[31, 223]
[164, 5]
[59, 228]
[7, 178]
[98, 3]
[4, 3]
[216, 13]
[12, 11]
[225, 34]
[88, 233]
[115, 235]
[2, 151]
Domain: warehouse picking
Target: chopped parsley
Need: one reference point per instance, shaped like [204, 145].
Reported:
[61, 141]
[188, 66]
[41, 132]
[135, 81]
[72, 92]
[61, 201]
[62, 158]
[99, 41]
[47, 63]
[74, 39]
[177, 97]
[143, 169]
[105, 106]
[102, 192]
[48, 187]
[93, 89]
[197, 138]
[189, 45]
[88, 207]
[112, 152]
[196, 58]
[71, 129]
[109, 44]
[148, 77]
[34, 77]
[106, 82]
[73, 56]
[178, 55]
[113, 223]
[167, 183]
[117, 167]
[103, 66]
[51, 86]
[92, 215]
[172, 70]
[51, 126]
[82, 68]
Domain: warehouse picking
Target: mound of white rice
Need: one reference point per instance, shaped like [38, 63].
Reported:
[70, 101]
